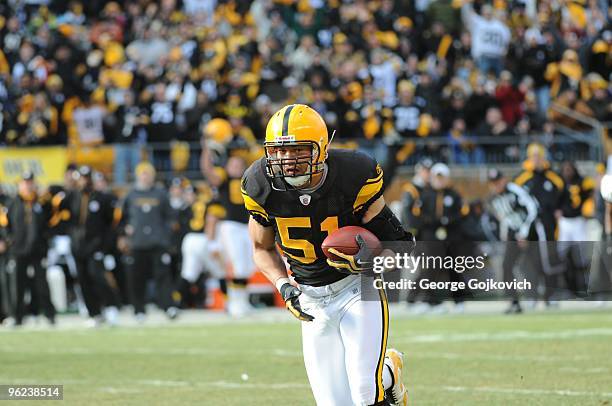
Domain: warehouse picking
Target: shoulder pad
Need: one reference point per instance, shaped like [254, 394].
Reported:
[411, 190]
[255, 183]
[588, 183]
[353, 164]
[523, 177]
[555, 179]
[360, 177]
[57, 199]
[255, 190]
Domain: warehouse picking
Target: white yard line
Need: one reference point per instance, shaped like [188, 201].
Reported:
[495, 357]
[119, 385]
[504, 336]
[115, 391]
[518, 391]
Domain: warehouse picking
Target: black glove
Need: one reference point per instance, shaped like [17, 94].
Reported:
[291, 296]
[353, 264]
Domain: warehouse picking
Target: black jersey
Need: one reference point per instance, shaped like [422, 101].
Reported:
[199, 210]
[302, 221]
[230, 197]
[578, 199]
[59, 222]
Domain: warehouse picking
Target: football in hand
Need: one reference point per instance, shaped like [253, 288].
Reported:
[343, 240]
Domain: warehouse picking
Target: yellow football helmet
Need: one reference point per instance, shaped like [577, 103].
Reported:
[219, 130]
[295, 126]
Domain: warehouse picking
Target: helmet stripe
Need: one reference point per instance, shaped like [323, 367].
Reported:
[286, 119]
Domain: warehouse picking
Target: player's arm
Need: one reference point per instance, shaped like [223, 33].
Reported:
[4, 228]
[266, 257]
[269, 262]
[59, 209]
[369, 205]
[214, 214]
[381, 221]
[215, 175]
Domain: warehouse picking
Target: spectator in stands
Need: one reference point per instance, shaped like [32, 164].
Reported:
[37, 122]
[509, 99]
[463, 147]
[494, 124]
[131, 120]
[88, 120]
[490, 38]
[534, 58]
[566, 74]
[599, 104]
[287, 52]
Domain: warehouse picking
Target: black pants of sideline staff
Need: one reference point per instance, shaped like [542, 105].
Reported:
[39, 291]
[96, 284]
[153, 262]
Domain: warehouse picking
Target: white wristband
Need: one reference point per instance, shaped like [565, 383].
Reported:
[280, 282]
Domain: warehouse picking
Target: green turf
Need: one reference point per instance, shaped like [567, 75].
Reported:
[535, 359]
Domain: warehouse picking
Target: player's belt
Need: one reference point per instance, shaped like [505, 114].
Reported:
[331, 289]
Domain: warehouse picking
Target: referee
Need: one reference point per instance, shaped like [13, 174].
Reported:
[516, 211]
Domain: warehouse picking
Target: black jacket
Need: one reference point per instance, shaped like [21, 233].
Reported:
[90, 220]
[547, 187]
[441, 215]
[24, 226]
[148, 213]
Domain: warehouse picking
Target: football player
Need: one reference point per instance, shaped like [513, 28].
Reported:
[232, 229]
[199, 247]
[297, 195]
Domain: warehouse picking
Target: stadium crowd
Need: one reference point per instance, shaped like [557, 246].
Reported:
[383, 73]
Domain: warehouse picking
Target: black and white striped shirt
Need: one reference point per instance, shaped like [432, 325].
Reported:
[516, 210]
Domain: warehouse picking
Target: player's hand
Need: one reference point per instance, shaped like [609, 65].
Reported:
[358, 263]
[291, 296]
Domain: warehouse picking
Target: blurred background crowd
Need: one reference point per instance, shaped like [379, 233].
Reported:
[400, 79]
[187, 87]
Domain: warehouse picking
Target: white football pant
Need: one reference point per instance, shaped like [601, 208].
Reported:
[344, 347]
[197, 257]
[237, 248]
[572, 235]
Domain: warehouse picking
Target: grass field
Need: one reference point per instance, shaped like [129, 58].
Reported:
[562, 358]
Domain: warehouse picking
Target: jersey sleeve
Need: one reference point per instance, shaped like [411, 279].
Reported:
[4, 220]
[255, 189]
[523, 177]
[369, 186]
[59, 209]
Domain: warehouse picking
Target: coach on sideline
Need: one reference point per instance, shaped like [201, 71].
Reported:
[145, 224]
